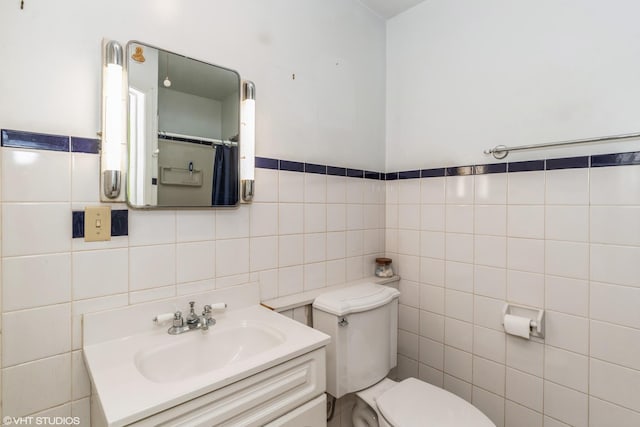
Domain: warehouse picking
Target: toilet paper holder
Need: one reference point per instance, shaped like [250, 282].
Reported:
[536, 316]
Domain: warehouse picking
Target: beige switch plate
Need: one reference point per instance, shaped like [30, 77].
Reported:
[97, 223]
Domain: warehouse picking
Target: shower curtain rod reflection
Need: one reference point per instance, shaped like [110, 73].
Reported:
[196, 139]
[501, 151]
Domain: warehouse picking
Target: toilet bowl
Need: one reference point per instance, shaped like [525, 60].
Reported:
[362, 321]
[414, 403]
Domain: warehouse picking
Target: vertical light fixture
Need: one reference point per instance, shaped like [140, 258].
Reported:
[113, 122]
[248, 141]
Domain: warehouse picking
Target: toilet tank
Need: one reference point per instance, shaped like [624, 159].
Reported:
[362, 321]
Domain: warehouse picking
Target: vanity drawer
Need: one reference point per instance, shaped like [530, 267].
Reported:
[253, 401]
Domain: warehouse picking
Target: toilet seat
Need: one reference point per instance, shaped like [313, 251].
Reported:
[414, 403]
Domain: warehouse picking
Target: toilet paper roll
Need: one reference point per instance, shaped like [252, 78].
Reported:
[516, 325]
[160, 318]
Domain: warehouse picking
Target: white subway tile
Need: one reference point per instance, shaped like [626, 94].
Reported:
[459, 305]
[315, 247]
[432, 244]
[568, 332]
[263, 253]
[431, 326]
[291, 250]
[491, 189]
[409, 293]
[407, 368]
[408, 318]
[567, 187]
[432, 190]
[27, 176]
[34, 281]
[431, 375]
[336, 189]
[489, 375]
[432, 217]
[490, 220]
[525, 288]
[459, 276]
[616, 344]
[408, 191]
[197, 287]
[566, 405]
[432, 298]
[408, 344]
[459, 247]
[458, 387]
[355, 217]
[355, 243]
[264, 219]
[432, 353]
[459, 189]
[490, 282]
[566, 295]
[24, 337]
[195, 261]
[336, 272]
[490, 251]
[82, 410]
[459, 219]
[152, 266]
[355, 193]
[615, 304]
[525, 255]
[408, 242]
[614, 383]
[233, 223]
[336, 217]
[458, 363]
[489, 343]
[315, 276]
[618, 185]
[51, 377]
[151, 227]
[458, 334]
[291, 280]
[488, 312]
[315, 188]
[85, 179]
[290, 187]
[152, 294]
[232, 257]
[432, 271]
[605, 414]
[197, 225]
[519, 416]
[615, 264]
[526, 188]
[32, 229]
[525, 355]
[524, 389]
[336, 245]
[490, 404]
[267, 189]
[409, 217]
[567, 259]
[355, 268]
[525, 221]
[100, 273]
[78, 308]
[566, 368]
[268, 284]
[373, 242]
[391, 191]
[371, 217]
[80, 383]
[567, 223]
[315, 218]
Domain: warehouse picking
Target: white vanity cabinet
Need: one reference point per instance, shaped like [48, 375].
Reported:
[289, 394]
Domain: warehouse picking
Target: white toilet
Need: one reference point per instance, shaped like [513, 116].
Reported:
[363, 323]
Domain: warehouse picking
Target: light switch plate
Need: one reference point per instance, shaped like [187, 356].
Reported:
[97, 223]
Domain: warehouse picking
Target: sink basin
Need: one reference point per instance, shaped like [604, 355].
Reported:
[140, 373]
[200, 352]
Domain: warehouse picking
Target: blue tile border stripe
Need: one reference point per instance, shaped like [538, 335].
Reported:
[32, 140]
[119, 223]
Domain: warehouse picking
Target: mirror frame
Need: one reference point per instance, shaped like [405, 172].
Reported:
[128, 174]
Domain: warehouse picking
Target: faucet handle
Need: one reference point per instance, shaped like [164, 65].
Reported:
[218, 306]
[178, 322]
[206, 310]
[192, 305]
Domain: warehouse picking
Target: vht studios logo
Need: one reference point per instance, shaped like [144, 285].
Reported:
[42, 421]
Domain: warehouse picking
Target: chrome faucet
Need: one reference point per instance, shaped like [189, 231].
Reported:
[193, 321]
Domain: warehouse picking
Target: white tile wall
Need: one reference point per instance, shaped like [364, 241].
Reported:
[564, 240]
[297, 222]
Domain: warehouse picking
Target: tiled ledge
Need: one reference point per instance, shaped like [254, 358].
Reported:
[30, 140]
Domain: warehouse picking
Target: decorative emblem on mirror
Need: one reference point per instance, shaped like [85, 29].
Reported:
[138, 55]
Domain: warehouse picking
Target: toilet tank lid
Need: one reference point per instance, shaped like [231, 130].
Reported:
[354, 299]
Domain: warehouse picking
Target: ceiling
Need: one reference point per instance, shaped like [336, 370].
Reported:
[390, 8]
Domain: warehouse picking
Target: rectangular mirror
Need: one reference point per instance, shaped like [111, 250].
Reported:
[184, 119]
